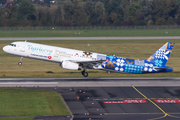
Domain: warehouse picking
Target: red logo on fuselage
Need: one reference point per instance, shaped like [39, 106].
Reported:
[107, 60]
[49, 57]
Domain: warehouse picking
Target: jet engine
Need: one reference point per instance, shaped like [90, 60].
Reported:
[70, 65]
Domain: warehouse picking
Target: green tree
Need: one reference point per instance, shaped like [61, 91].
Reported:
[79, 16]
[53, 14]
[99, 10]
[160, 21]
[133, 9]
[67, 10]
[147, 8]
[164, 9]
[114, 17]
[3, 17]
[14, 11]
[124, 5]
[5, 14]
[90, 11]
[149, 23]
[44, 18]
[26, 10]
[170, 21]
[114, 7]
[13, 21]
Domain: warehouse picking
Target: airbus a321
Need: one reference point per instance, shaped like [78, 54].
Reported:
[82, 60]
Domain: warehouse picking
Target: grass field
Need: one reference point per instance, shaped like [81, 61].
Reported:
[27, 102]
[90, 33]
[16, 118]
[135, 49]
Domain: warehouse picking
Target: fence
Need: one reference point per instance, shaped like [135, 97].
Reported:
[90, 28]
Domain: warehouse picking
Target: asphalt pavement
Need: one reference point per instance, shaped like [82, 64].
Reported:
[124, 103]
[90, 38]
[87, 82]
[130, 98]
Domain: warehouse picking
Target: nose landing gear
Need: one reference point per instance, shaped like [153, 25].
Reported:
[20, 63]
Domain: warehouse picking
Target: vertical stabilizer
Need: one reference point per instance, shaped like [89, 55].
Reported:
[161, 56]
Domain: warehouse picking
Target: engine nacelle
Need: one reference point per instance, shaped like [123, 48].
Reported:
[70, 65]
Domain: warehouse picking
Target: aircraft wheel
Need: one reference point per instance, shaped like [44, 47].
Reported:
[20, 63]
[85, 74]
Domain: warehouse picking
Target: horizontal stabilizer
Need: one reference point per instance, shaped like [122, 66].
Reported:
[162, 68]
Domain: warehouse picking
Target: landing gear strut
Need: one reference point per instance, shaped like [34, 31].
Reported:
[84, 73]
[20, 63]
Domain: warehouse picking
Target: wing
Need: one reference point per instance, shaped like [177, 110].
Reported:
[90, 64]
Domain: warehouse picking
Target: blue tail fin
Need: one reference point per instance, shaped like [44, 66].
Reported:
[161, 56]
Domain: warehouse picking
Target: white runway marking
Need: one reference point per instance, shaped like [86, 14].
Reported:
[28, 83]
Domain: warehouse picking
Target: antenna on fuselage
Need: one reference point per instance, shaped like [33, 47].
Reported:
[25, 40]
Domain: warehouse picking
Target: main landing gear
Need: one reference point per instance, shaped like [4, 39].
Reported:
[20, 63]
[84, 73]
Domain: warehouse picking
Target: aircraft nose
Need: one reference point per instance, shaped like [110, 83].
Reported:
[5, 49]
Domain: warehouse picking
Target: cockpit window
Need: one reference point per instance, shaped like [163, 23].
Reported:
[14, 45]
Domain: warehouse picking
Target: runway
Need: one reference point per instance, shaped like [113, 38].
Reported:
[88, 82]
[90, 38]
[110, 98]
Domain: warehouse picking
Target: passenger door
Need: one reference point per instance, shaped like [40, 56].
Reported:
[22, 49]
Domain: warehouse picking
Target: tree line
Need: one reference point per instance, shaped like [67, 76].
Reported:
[90, 13]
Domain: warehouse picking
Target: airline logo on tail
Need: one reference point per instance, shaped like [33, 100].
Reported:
[161, 56]
[169, 46]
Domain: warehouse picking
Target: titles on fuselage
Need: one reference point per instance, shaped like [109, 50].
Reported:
[39, 49]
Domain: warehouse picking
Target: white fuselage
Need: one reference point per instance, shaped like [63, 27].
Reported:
[47, 53]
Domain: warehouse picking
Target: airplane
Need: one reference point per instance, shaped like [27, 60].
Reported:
[77, 60]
